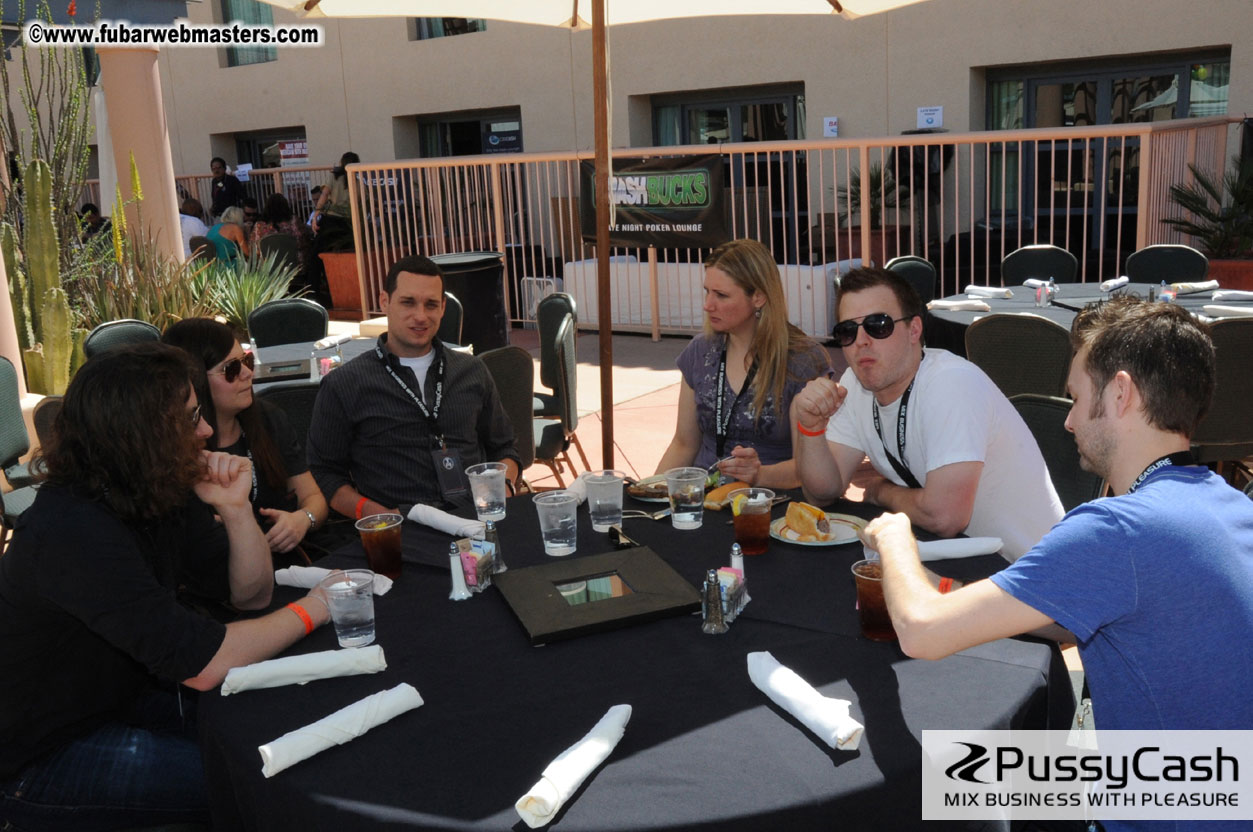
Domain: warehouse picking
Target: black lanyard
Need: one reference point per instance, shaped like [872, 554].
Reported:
[1179, 458]
[432, 415]
[722, 420]
[898, 465]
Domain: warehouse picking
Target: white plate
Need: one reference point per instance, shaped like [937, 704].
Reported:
[665, 499]
[844, 528]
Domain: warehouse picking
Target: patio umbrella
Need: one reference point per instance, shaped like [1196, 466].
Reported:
[578, 14]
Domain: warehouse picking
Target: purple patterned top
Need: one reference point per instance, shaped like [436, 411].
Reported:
[772, 435]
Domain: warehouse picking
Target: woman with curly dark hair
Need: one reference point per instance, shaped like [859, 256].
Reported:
[94, 641]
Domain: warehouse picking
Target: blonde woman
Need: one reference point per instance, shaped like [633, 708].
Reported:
[747, 365]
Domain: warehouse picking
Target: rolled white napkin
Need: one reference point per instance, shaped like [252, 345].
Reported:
[825, 716]
[338, 728]
[331, 341]
[1231, 294]
[960, 547]
[445, 522]
[297, 670]
[963, 305]
[1216, 310]
[307, 577]
[1114, 282]
[988, 291]
[1191, 288]
[567, 772]
[1034, 283]
[579, 489]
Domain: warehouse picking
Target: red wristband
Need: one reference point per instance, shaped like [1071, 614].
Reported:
[945, 585]
[806, 432]
[360, 505]
[303, 614]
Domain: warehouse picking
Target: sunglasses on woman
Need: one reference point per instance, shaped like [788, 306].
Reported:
[231, 369]
[878, 326]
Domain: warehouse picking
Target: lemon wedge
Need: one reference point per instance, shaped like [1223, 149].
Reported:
[738, 503]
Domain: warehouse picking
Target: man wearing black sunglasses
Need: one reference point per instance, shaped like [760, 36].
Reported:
[950, 450]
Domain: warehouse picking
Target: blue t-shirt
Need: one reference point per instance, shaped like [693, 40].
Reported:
[1157, 585]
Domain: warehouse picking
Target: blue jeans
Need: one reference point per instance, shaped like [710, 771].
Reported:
[142, 771]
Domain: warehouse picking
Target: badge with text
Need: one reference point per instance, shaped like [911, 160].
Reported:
[453, 484]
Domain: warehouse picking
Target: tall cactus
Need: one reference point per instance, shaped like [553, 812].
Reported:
[43, 264]
[19, 293]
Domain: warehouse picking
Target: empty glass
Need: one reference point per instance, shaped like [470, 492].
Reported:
[686, 487]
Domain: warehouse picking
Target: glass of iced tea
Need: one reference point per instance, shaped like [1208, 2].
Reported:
[750, 511]
[876, 624]
[380, 535]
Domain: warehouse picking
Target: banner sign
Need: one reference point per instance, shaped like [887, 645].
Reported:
[667, 203]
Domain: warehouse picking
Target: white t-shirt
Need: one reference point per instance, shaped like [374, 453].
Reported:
[957, 414]
[420, 365]
[191, 227]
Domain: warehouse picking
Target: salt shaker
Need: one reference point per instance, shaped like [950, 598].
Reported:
[491, 536]
[460, 591]
[737, 558]
[711, 605]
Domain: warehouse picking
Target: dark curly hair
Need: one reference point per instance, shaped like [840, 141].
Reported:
[123, 435]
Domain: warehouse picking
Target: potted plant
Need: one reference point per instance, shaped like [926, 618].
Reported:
[882, 193]
[1220, 220]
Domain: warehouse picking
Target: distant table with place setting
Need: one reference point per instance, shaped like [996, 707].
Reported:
[703, 748]
[946, 328]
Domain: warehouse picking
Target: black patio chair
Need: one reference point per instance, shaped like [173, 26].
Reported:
[287, 321]
[454, 318]
[550, 313]
[14, 440]
[513, 370]
[1021, 353]
[116, 333]
[1041, 262]
[1171, 263]
[296, 401]
[1225, 435]
[285, 248]
[554, 436]
[1046, 418]
[202, 249]
[919, 271]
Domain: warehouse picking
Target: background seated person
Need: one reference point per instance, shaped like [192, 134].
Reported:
[94, 729]
[228, 236]
[284, 497]
[950, 450]
[191, 223]
[398, 425]
[753, 361]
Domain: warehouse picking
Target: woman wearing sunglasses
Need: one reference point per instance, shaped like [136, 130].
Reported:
[740, 375]
[285, 498]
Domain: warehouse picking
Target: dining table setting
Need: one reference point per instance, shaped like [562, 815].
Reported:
[456, 717]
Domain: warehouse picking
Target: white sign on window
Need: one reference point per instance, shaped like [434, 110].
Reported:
[241, 172]
[930, 117]
[831, 127]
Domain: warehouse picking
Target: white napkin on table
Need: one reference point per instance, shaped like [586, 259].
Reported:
[960, 305]
[1034, 283]
[825, 716]
[988, 291]
[338, 728]
[960, 547]
[567, 772]
[445, 522]
[1231, 294]
[307, 577]
[579, 489]
[1114, 283]
[1191, 288]
[1215, 310]
[297, 670]
[331, 341]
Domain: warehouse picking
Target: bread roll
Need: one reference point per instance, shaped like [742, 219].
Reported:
[717, 499]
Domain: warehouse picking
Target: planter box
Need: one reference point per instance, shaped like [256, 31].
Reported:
[344, 284]
[1232, 274]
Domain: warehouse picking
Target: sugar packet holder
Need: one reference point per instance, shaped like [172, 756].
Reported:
[478, 562]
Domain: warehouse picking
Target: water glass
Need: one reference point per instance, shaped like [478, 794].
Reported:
[558, 521]
[686, 487]
[487, 487]
[604, 498]
[350, 596]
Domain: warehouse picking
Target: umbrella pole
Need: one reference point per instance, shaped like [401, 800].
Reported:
[600, 95]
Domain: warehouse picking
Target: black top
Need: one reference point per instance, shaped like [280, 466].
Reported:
[366, 431]
[291, 451]
[227, 191]
[89, 615]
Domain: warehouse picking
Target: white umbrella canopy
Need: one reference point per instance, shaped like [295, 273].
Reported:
[577, 14]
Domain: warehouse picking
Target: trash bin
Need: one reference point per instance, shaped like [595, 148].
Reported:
[477, 279]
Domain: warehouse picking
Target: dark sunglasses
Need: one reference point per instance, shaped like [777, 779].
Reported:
[878, 326]
[231, 369]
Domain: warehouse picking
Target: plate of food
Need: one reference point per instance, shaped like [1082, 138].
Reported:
[650, 489]
[807, 525]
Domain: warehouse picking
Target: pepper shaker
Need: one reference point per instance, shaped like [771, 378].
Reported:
[460, 591]
[711, 605]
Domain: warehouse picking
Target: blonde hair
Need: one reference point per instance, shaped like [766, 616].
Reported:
[752, 267]
[234, 214]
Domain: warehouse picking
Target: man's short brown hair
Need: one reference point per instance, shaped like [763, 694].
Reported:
[859, 280]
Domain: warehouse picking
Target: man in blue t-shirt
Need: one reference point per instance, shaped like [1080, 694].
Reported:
[1156, 582]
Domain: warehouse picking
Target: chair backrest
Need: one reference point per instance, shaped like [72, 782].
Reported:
[116, 333]
[1041, 262]
[202, 248]
[1172, 263]
[43, 417]
[549, 315]
[919, 271]
[566, 387]
[1230, 417]
[285, 247]
[14, 440]
[287, 321]
[1046, 418]
[513, 370]
[296, 401]
[450, 325]
[1021, 353]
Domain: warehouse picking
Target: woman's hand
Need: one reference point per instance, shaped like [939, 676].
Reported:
[743, 465]
[290, 527]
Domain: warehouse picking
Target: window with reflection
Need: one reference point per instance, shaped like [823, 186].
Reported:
[425, 28]
[254, 13]
[747, 114]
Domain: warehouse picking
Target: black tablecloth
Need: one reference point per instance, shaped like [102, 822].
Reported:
[704, 748]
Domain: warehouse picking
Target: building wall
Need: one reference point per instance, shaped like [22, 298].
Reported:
[360, 89]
